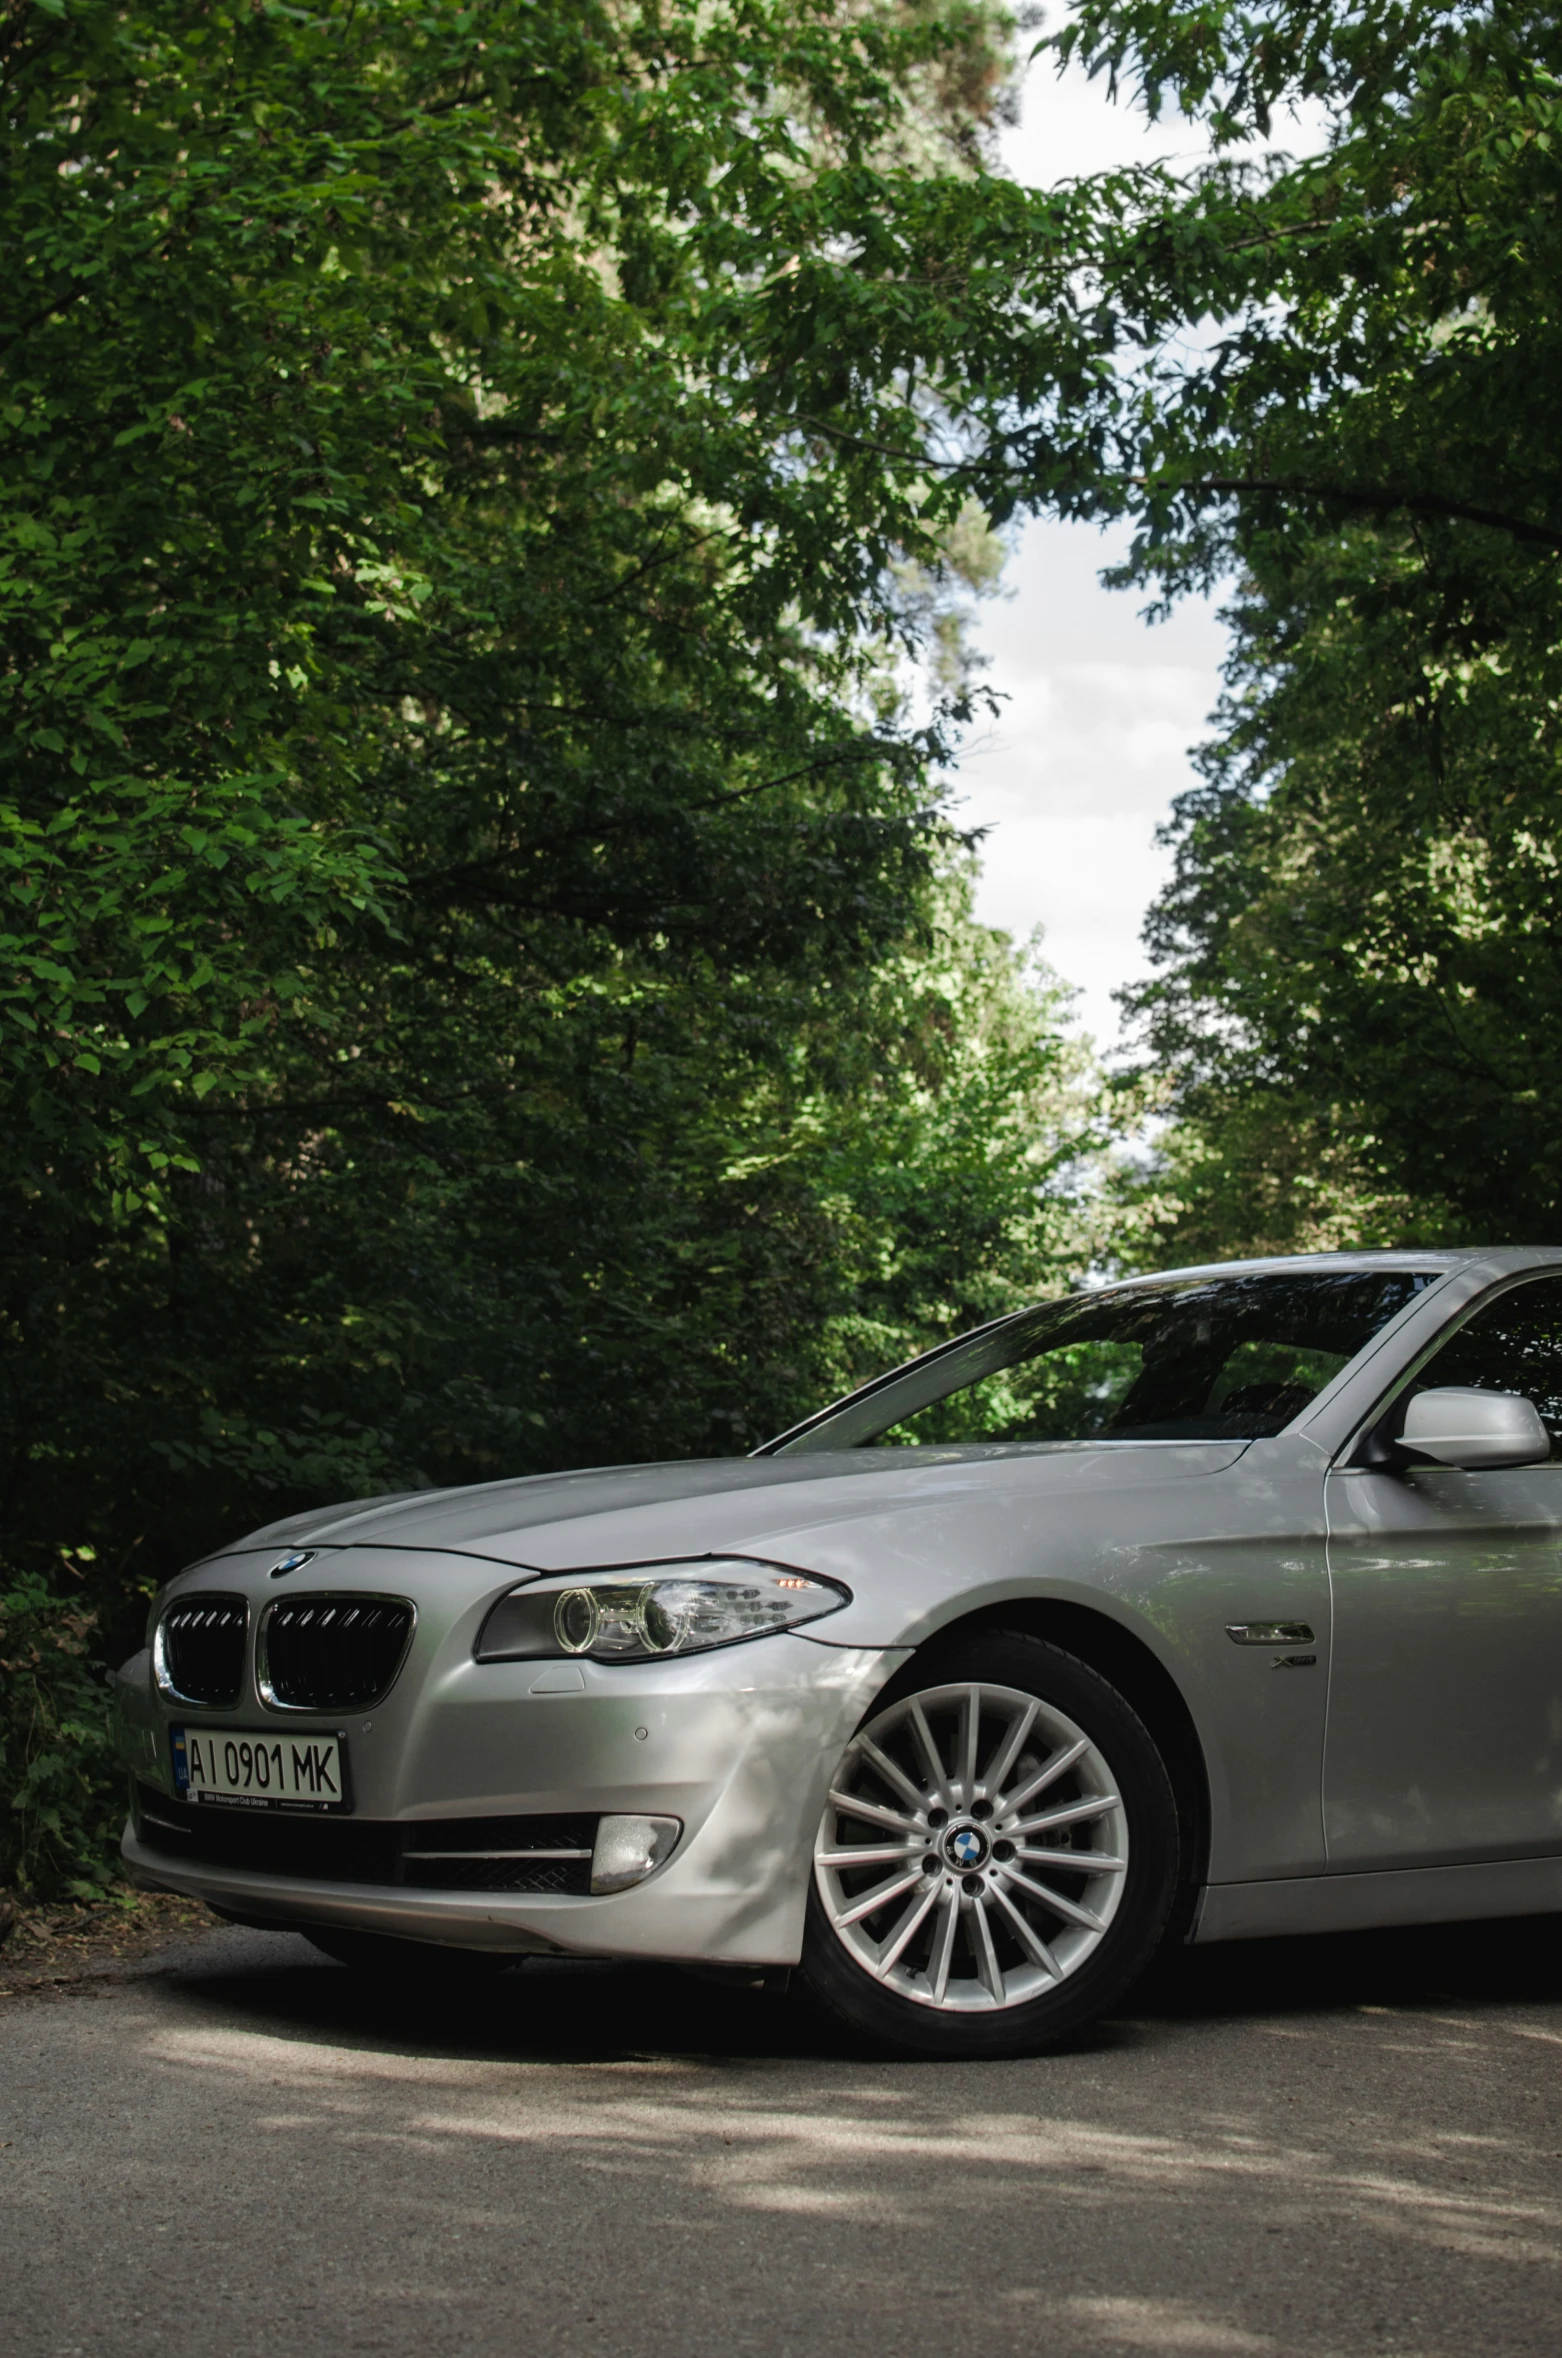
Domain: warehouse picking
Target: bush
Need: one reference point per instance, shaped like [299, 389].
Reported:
[59, 1782]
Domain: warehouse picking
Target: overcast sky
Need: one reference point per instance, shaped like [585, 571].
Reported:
[1082, 764]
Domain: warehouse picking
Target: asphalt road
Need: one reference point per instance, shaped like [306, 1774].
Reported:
[1338, 2147]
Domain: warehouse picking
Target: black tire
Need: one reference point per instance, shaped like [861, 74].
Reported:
[976, 2017]
[392, 1960]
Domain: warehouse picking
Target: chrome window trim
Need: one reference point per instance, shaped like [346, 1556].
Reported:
[328, 1596]
[1344, 1457]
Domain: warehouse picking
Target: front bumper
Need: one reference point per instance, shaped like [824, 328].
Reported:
[739, 1744]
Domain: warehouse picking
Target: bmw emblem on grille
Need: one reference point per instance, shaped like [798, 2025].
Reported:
[293, 1561]
[967, 1847]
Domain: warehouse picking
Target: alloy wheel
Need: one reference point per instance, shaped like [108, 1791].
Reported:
[973, 1850]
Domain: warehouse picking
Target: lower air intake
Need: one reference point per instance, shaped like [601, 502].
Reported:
[430, 1854]
[269, 1842]
[332, 1653]
[499, 1854]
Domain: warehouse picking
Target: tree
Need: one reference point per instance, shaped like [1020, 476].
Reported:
[1362, 926]
[486, 979]
[1335, 381]
[400, 499]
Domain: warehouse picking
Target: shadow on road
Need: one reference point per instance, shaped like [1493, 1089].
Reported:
[561, 2011]
[1512, 1961]
[1297, 2149]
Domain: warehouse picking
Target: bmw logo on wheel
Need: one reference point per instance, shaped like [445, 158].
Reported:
[967, 1847]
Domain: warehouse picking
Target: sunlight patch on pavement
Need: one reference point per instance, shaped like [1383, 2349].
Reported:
[863, 2157]
[1161, 2325]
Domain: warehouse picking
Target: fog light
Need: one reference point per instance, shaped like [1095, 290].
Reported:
[629, 1848]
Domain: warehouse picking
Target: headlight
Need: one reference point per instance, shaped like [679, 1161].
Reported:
[641, 1612]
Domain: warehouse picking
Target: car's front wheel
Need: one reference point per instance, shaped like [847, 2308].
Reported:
[998, 1858]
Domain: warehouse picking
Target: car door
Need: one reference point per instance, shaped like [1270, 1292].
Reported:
[1444, 1729]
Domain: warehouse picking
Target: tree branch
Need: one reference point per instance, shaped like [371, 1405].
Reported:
[868, 749]
[1384, 500]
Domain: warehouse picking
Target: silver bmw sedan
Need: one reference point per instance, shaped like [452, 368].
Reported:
[1220, 1603]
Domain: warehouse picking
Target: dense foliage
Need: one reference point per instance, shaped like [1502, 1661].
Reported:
[1334, 382]
[487, 980]
[57, 1767]
[1361, 964]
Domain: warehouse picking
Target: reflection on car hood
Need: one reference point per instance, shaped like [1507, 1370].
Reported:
[614, 1514]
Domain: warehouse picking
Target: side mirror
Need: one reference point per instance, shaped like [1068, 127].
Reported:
[1459, 1427]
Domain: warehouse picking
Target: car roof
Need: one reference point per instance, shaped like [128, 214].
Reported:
[1498, 1258]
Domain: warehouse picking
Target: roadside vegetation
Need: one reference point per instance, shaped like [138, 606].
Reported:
[489, 501]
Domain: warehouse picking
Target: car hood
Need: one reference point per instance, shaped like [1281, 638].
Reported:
[622, 1514]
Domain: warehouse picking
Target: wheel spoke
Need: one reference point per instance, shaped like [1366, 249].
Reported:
[891, 1888]
[874, 1812]
[1084, 1862]
[1013, 1745]
[987, 1964]
[1077, 1813]
[1029, 1938]
[1058, 1766]
[892, 1773]
[970, 1734]
[881, 1856]
[930, 1754]
[1069, 1910]
[944, 1947]
[905, 1930]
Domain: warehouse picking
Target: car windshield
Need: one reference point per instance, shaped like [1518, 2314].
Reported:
[1198, 1359]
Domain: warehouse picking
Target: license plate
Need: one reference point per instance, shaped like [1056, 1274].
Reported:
[251, 1768]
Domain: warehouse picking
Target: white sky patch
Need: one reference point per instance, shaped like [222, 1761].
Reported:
[1085, 756]
[1090, 750]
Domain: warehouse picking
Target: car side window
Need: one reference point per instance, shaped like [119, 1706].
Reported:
[1514, 1344]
